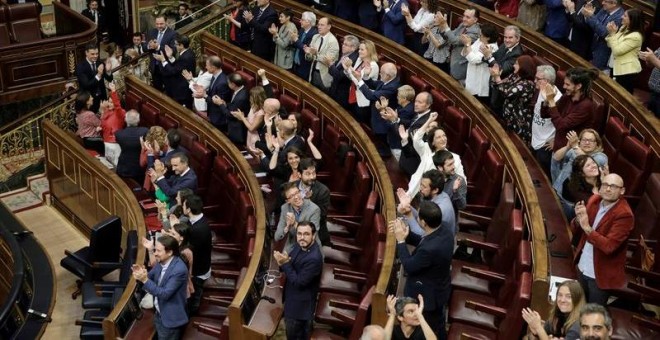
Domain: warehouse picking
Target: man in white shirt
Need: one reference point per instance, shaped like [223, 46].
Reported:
[543, 131]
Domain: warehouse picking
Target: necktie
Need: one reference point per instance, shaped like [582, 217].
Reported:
[160, 37]
[211, 86]
[296, 56]
[93, 64]
[261, 11]
[318, 51]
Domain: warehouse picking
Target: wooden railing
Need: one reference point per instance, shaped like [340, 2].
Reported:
[85, 191]
[221, 145]
[515, 170]
[41, 67]
[619, 102]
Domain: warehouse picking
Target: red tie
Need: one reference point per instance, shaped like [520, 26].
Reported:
[352, 98]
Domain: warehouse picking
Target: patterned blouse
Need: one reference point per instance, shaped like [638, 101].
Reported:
[518, 110]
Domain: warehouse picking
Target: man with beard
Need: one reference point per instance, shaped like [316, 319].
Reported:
[455, 186]
[184, 176]
[302, 268]
[316, 192]
[431, 189]
[428, 267]
[410, 314]
[595, 322]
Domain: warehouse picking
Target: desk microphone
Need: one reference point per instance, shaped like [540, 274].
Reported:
[45, 317]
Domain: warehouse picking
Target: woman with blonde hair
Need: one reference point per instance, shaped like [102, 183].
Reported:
[564, 319]
[367, 65]
[588, 142]
[255, 118]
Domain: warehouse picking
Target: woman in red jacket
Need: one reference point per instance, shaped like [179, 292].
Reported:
[112, 120]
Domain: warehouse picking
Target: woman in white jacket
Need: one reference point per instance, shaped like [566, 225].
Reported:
[477, 79]
[367, 65]
[199, 85]
[426, 149]
[423, 18]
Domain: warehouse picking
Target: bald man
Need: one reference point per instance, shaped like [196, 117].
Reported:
[373, 332]
[605, 222]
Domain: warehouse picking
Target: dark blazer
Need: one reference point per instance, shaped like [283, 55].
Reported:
[347, 10]
[598, 23]
[168, 39]
[303, 278]
[380, 89]
[182, 21]
[410, 159]
[582, 34]
[170, 186]
[128, 139]
[88, 82]
[171, 292]
[302, 67]
[201, 245]
[406, 115]
[609, 242]
[428, 267]
[394, 23]
[176, 86]
[236, 130]
[341, 84]
[101, 27]
[221, 89]
[262, 44]
[367, 15]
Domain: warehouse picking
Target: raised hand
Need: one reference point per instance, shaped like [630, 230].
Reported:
[261, 73]
[403, 133]
[310, 136]
[293, 36]
[112, 86]
[420, 308]
[404, 198]
[466, 40]
[495, 71]
[100, 69]
[549, 92]
[248, 16]
[611, 27]
[572, 139]
[186, 74]
[238, 114]
[401, 230]
[405, 10]
[486, 51]
[391, 305]
[168, 51]
[147, 244]
[272, 29]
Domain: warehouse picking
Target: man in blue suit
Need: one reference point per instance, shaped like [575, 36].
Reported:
[259, 20]
[611, 11]
[172, 67]
[303, 277]
[184, 176]
[167, 281]
[374, 90]
[157, 39]
[303, 38]
[91, 74]
[394, 23]
[217, 93]
[128, 139]
[428, 267]
[236, 109]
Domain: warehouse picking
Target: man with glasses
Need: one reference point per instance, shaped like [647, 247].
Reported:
[543, 131]
[605, 222]
[316, 192]
[295, 209]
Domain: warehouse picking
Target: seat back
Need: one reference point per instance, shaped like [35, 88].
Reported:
[105, 241]
[25, 22]
[501, 219]
[367, 225]
[615, 132]
[489, 181]
[167, 123]
[248, 78]
[149, 115]
[130, 255]
[290, 103]
[361, 187]
[369, 255]
[5, 33]
[511, 326]
[419, 84]
[457, 127]
[201, 160]
[187, 138]
[647, 213]
[475, 149]
[133, 101]
[313, 122]
[634, 162]
[440, 103]
[508, 246]
[599, 114]
[362, 314]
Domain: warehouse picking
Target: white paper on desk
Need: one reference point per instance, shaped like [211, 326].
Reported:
[260, 174]
[555, 281]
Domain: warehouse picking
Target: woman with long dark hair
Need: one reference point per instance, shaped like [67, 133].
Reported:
[583, 182]
[89, 124]
[626, 42]
[518, 90]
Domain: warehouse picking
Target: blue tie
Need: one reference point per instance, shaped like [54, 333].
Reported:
[296, 57]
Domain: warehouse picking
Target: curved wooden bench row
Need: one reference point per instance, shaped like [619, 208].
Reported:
[619, 103]
[328, 111]
[85, 192]
[413, 65]
[221, 145]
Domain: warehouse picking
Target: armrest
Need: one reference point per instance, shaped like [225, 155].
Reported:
[226, 273]
[91, 323]
[207, 329]
[498, 312]
[107, 265]
[643, 273]
[342, 316]
[483, 220]
[230, 245]
[646, 323]
[644, 290]
[77, 258]
[487, 246]
[351, 278]
[339, 196]
[216, 226]
[223, 302]
[344, 304]
[345, 219]
[336, 271]
[634, 243]
[224, 249]
[480, 209]
[485, 275]
[347, 247]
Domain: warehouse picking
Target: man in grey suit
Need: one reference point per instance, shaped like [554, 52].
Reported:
[469, 27]
[294, 210]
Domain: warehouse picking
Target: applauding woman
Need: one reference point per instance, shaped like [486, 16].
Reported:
[284, 49]
[626, 42]
[564, 319]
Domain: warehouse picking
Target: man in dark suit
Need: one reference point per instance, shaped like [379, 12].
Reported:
[137, 44]
[604, 222]
[97, 16]
[428, 267]
[394, 23]
[303, 38]
[341, 84]
[347, 10]
[171, 68]
[200, 242]
[172, 147]
[128, 138]
[167, 281]
[316, 192]
[367, 15]
[302, 268]
[183, 16]
[410, 159]
[402, 116]
[91, 74]
[581, 34]
[374, 90]
[157, 39]
[260, 20]
[611, 11]
[505, 57]
[184, 176]
[236, 109]
[218, 93]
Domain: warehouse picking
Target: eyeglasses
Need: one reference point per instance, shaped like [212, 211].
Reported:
[610, 186]
[294, 195]
[539, 78]
[587, 140]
